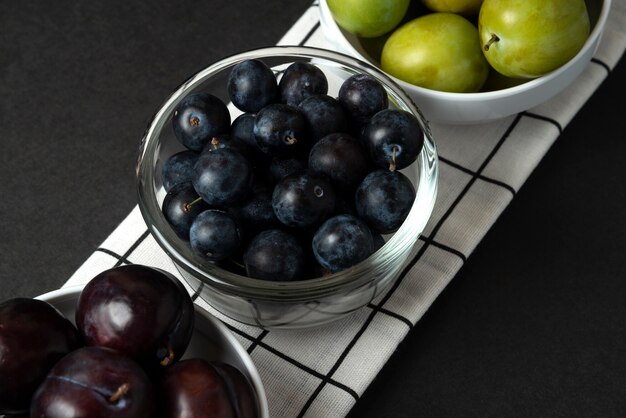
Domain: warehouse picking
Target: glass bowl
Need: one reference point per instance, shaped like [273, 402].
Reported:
[299, 303]
[484, 106]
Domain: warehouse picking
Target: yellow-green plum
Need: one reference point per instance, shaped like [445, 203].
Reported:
[368, 18]
[529, 38]
[496, 81]
[438, 51]
[464, 7]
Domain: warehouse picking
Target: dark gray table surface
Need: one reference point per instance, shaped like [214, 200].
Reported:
[534, 324]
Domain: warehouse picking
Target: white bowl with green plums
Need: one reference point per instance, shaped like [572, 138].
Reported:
[470, 61]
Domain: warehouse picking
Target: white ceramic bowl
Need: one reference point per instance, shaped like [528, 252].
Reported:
[465, 108]
[211, 340]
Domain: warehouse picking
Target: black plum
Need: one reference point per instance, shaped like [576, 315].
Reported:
[199, 388]
[181, 206]
[341, 158]
[302, 200]
[214, 235]
[384, 199]
[280, 167]
[256, 213]
[280, 129]
[325, 115]
[95, 382]
[362, 97]
[275, 255]
[177, 168]
[252, 85]
[198, 118]
[222, 176]
[345, 204]
[341, 242]
[394, 138]
[301, 80]
[138, 310]
[33, 337]
[242, 129]
[379, 241]
[242, 394]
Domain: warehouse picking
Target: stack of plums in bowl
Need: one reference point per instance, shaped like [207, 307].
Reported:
[288, 184]
[121, 355]
[471, 60]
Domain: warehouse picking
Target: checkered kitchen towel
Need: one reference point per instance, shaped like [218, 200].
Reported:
[322, 372]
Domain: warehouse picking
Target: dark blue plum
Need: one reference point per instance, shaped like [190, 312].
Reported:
[303, 200]
[242, 130]
[394, 138]
[341, 158]
[325, 115]
[345, 204]
[177, 168]
[301, 80]
[252, 85]
[281, 130]
[222, 177]
[226, 141]
[215, 235]
[379, 241]
[256, 212]
[362, 97]
[180, 207]
[274, 255]
[341, 242]
[198, 118]
[280, 167]
[384, 199]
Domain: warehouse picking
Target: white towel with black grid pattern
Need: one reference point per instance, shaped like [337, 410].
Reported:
[322, 372]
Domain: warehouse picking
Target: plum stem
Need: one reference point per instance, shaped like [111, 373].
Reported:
[194, 121]
[167, 360]
[494, 38]
[121, 391]
[291, 140]
[392, 163]
[215, 142]
[187, 206]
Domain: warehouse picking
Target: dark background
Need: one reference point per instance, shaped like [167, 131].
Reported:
[533, 325]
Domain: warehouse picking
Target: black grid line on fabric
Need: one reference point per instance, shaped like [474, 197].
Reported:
[133, 247]
[544, 118]
[480, 176]
[309, 34]
[602, 64]
[392, 314]
[444, 247]
[404, 273]
[256, 341]
[327, 378]
[108, 252]
[295, 362]
[196, 293]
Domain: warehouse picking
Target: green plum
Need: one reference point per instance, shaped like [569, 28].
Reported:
[368, 18]
[529, 38]
[496, 81]
[438, 51]
[464, 7]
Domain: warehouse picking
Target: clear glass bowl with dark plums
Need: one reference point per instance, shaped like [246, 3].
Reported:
[289, 185]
